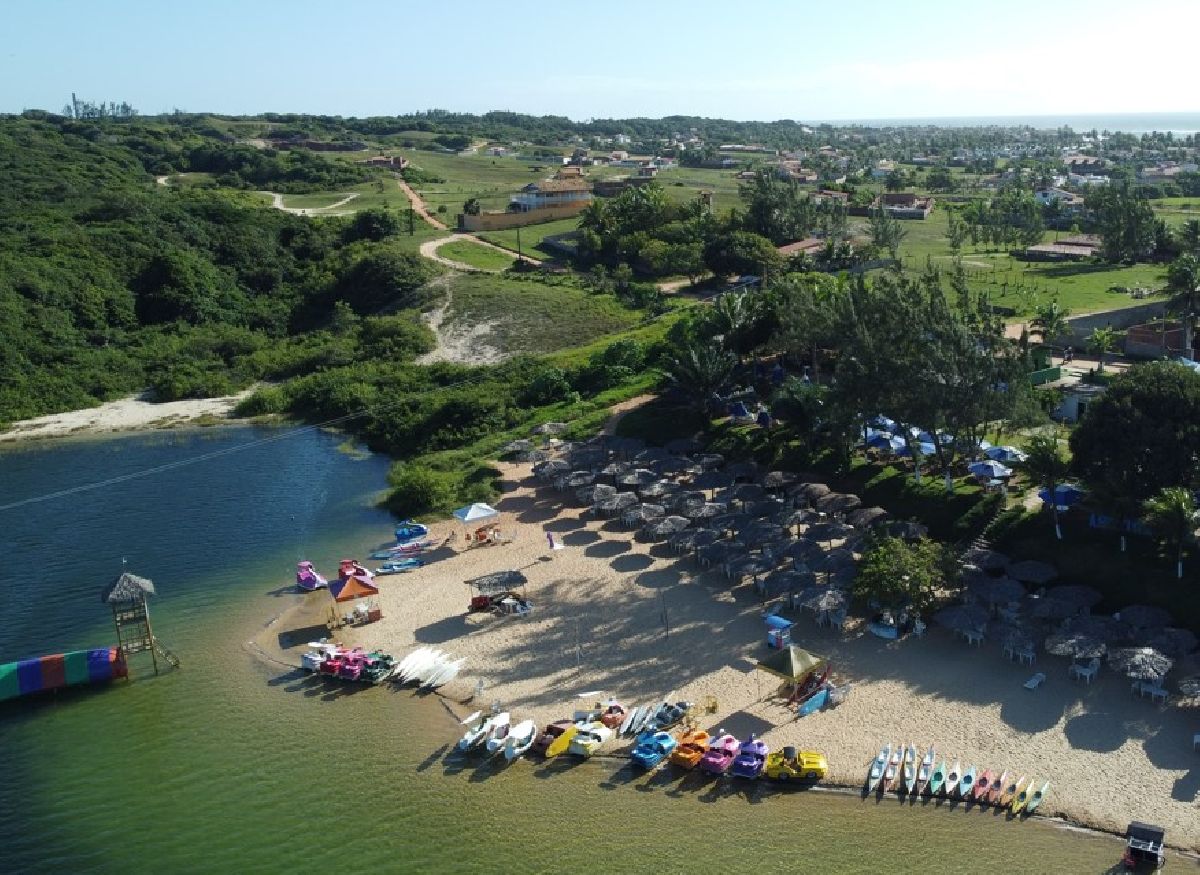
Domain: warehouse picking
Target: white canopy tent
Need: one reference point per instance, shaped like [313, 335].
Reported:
[476, 513]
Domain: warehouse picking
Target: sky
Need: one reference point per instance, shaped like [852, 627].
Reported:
[754, 59]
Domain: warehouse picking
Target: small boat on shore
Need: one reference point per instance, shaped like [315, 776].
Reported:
[1036, 797]
[983, 786]
[399, 566]
[691, 748]
[966, 783]
[891, 775]
[445, 672]
[501, 725]
[652, 748]
[952, 778]
[910, 768]
[751, 758]
[790, 764]
[668, 714]
[589, 738]
[549, 734]
[407, 531]
[1022, 796]
[998, 785]
[1009, 791]
[938, 779]
[612, 714]
[520, 739]
[720, 755]
[875, 775]
[477, 730]
[560, 744]
[307, 578]
[925, 772]
[399, 551]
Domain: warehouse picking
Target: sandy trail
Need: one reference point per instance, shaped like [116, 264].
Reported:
[277, 203]
[464, 343]
[430, 248]
[612, 613]
[124, 414]
[418, 205]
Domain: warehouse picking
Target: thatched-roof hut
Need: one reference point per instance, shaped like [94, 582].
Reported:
[127, 588]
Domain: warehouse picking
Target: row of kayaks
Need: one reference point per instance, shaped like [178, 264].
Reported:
[427, 667]
[901, 768]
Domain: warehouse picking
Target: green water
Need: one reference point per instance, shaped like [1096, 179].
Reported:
[235, 765]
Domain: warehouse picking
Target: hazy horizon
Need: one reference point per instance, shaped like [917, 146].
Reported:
[770, 59]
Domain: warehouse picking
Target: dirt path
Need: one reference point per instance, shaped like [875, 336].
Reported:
[277, 203]
[463, 343]
[162, 180]
[429, 249]
[620, 409]
[419, 206]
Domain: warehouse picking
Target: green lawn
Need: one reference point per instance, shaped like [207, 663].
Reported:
[482, 257]
[531, 235]
[534, 316]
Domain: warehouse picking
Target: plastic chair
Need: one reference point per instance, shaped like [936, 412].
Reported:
[1026, 657]
[1196, 741]
[1036, 681]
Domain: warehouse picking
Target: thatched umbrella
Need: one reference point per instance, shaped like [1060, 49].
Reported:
[576, 479]
[834, 560]
[679, 500]
[1075, 645]
[498, 581]
[551, 469]
[1140, 663]
[1175, 643]
[638, 477]
[828, 532]
[837, 502]
[1190, 686]
[743, 566]
[1055, 609]
[587, 457]
[705, 511]
[532, 456]
[759, 509]
[710, 461]
[523, 445]
[618, 503]
[962, 618]
[673, 465]
[595, 493]
[684, 446]
[760, 532]
[1076, 593]
[126, 587]
[778, 479]
[616, 469]
[995, 590]
[824, 600]
[551, 428]
[730, 522]
[811, 492]
[710, 480]
[691, 539]
[1011, 633]
[644, 513]
[742, 470]
[719, 552]
[744, 492]
[791, 516]
[1145, 616]
[1106, 629]
[1032, 571]
[802, 549]
[659, 489]
[664, 528]
[866, 517]
[785, 580]
[988, 560]
[651, 454]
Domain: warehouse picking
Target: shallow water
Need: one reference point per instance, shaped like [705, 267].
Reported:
[233, 764]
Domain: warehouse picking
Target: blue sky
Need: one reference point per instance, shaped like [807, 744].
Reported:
[747, 60]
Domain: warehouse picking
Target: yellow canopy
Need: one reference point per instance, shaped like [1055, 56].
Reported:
[793, 663]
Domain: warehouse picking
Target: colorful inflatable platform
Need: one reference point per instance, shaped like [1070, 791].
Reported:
[57, 670]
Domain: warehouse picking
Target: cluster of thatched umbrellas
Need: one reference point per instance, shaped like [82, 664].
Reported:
[789, 534]
[1139, 641]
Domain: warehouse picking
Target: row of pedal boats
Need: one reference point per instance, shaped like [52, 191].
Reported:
[688, 748]
[903, 769]
[426, 667]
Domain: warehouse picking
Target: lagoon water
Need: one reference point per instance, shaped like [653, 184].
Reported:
[236, 764]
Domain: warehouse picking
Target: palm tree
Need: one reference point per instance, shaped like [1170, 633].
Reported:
[1101, 341]
[1051, 321]
[1047, 467]
[1189, 236]
[732, 316]
[1172, 513]
[1183, 279]
[700, 370]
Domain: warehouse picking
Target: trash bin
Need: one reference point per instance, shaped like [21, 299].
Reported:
[779, 638]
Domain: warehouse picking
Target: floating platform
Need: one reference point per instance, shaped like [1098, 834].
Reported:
[74, 668]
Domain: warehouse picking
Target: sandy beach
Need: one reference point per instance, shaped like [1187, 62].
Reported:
[124, 414]
[638, 622]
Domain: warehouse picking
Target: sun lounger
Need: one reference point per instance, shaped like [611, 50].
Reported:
[1036, 681]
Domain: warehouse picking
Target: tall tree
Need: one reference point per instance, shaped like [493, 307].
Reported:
[1172, 513]
[1183, 280]
[1102, 341]
[886, 231]
[1050, 321]
[700, 370]
[1128, 228]
[1047, 466]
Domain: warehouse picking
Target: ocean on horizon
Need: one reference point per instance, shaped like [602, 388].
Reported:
[1178, 123]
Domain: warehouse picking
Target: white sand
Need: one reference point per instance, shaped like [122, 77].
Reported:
[125, 414]
[598, 625]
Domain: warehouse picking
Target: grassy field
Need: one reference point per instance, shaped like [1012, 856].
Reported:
[531, 235]
[1176, 210]
[1022, 285]
[533, 316]
[482, 257]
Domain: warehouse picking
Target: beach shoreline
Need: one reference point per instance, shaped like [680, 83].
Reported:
[635, 621]
[132, 413]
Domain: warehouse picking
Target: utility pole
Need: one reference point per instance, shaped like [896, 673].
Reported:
[74, 105]
[520, 257]
[411, 230]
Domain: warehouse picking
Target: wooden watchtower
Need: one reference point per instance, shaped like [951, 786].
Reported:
[131, 615]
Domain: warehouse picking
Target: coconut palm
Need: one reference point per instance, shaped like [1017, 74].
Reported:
[1051, 321]
[1047, 467]
[1183, 280]
[732, 318]
[1102, 341]
[699, 371]
[1172, 513]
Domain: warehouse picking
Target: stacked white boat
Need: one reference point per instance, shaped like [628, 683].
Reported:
[497, 734]
[428, 668]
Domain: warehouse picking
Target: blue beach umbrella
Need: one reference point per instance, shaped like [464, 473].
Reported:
[926, 448]
[884, 441]
[993, 470]
[1065, 494]
[883, 422]
[776, 622]
[1004, 454]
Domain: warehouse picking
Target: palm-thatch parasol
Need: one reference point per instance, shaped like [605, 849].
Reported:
[690, 539]
[828, 532]
[644, 513]
[550, 469]
[1076, 645]
[759, 509]
[962, 618]
[988, 560]
[1140, 663]
[810, 492]
[743, 566]
[616, 469]
[637, 477]
[673, 465]
[527, 456]
[837, 502]
[742, 470]
[802, 549]
[618, 503]
[681, 500]
[710, 461]
[551, 428]
[834, 560]
[498, 582]
[744, 492]
[1055, 609]
[684, 446]
[866, 517]
[710, 480]
[1145, 616]
[576, 479]
[995, 590]
[729, 522]
[651, 454]
[1011, 633]
[659, 489]
[665, 527]
[1104, 628]
[791, 516]
[778, 479]
[720, 552]
[785, 580]
[1032, 571]
[587, 457]
[1190, 685]
[1077, 593]
[1175, 643]
[127, 587]
[706, 511]
[760, 532]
